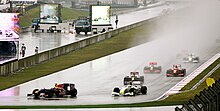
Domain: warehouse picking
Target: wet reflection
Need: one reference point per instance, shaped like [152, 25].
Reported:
[100, 63]
[10, 92]
[45, 41]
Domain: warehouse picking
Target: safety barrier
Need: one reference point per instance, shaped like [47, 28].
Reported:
[207, 100]
[8, 67]
[50, 54]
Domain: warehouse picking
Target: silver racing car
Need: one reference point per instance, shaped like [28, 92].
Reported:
[191, 58]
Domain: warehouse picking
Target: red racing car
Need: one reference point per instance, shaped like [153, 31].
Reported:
[177, 71]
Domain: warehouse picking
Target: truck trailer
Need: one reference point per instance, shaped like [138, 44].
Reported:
[100, 18]
[49, 19]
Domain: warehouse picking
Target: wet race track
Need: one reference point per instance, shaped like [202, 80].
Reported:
[95, 79]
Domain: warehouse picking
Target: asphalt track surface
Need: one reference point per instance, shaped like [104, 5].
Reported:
[96, 79]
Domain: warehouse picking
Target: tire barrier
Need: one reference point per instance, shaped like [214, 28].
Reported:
[206, 100]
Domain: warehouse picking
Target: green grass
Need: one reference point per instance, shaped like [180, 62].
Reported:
[115, 44]
[67, 13]
[25, 20]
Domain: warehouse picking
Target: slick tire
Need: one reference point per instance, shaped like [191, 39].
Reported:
[144, 89]
[36, 93]
[73, 93]
[142, 79]
[116, 89]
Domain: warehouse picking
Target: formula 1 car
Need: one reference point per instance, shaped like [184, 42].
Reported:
[59, 91]
[129, 90]
[152, 68]
[191, 58]
[177, 71]
[134, 78]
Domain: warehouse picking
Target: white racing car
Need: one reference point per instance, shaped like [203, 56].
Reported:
[191, 58]
[129, 90]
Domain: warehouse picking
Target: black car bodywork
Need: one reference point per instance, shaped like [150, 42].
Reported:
[68, 89]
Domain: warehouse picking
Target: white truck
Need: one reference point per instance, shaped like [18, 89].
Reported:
[100, 18]
[50, 19]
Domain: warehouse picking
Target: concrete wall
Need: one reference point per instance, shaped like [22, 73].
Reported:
[13, 66]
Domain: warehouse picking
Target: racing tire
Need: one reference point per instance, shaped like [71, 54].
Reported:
[51, 31]
[146, 68]
[184, 72]
[160, 68]
[168, 72]
[116, 89]
[197, 58]
[78, 32]
[73, 92]
[142, 79]
[50, 95]
[132, 90]
[36, 93]
[127, 80]
[144, 89]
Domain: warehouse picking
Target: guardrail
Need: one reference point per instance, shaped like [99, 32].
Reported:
[207, 100]
[50, 54]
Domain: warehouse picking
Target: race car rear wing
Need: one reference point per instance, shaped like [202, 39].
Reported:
[134, 73]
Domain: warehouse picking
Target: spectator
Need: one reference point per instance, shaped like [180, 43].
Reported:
[23, 49]
[116, 21]
[36, 50]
